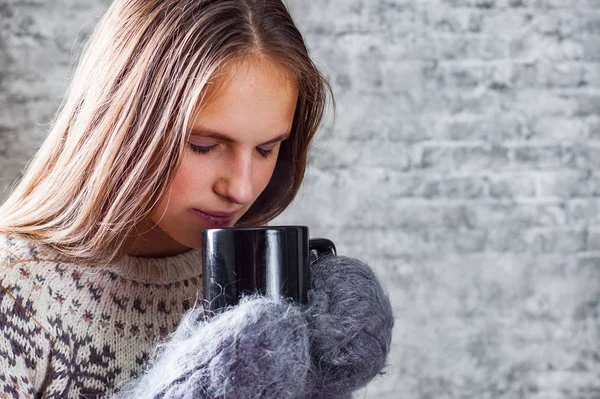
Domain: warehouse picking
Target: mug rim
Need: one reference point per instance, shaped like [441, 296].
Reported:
[257, 228]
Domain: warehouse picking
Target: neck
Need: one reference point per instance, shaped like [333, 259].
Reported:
[154, 242]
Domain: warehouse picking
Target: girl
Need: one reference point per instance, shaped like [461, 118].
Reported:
[182, 115]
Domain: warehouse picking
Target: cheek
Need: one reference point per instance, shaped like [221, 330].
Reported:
[263, 176]
[192, 176]
[182, 181]
[186, 182]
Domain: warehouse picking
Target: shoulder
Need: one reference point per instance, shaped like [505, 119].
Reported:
[23, 295]
[20, 259]
[18, 249]
[18, 256]
[25, 337]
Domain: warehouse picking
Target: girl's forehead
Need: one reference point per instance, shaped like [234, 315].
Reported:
[248, 81]
[250, 70]
[254, 99]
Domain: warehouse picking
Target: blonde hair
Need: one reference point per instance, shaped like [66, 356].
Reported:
[118, 138]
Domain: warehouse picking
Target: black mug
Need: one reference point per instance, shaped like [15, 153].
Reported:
[272, 261]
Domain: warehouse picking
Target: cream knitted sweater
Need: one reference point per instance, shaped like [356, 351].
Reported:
[70, 331]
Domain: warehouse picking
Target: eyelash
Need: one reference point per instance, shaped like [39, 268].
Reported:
[205, 150]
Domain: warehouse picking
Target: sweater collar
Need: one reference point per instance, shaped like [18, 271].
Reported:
[164, 270]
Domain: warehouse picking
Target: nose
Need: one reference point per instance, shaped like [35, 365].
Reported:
[235, 180]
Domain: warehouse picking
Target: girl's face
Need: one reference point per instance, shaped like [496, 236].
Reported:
[229, 159]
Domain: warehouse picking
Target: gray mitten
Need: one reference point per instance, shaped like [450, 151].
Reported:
[350, 327]
[258, 348]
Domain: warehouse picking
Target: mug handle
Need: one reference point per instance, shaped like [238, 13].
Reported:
[320, 247]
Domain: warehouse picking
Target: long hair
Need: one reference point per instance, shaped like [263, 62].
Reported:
[118, 138]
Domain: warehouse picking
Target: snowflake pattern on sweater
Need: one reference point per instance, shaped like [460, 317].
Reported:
[73, 331]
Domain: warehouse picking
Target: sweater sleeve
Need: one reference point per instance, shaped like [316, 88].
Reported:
[24, 342]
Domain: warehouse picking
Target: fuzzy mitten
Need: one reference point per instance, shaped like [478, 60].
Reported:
[257, 349]
[350, 326]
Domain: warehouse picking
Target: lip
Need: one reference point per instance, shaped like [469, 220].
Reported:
[215, 218]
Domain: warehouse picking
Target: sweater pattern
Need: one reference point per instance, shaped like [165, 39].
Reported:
[71, 331]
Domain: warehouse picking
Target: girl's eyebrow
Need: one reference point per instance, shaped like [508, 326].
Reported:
[206, 132]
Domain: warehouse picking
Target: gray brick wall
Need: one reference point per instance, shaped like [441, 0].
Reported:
[464, 165]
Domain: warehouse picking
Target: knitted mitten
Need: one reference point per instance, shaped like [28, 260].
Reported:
[258, 348]
[350, 326]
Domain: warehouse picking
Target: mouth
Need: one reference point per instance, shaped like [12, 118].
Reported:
[215, 219]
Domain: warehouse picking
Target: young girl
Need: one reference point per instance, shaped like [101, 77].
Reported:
[183, 115]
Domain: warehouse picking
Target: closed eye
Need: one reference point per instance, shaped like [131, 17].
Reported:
[265, 152]
[200, 149]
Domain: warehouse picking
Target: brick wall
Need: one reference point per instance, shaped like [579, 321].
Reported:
[463, 164]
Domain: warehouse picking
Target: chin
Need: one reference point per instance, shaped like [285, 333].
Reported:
[191, 242]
